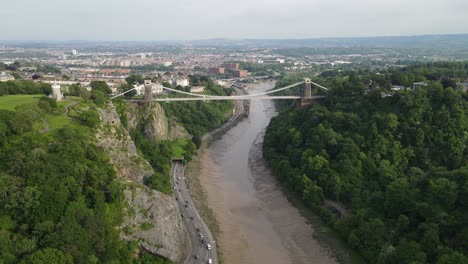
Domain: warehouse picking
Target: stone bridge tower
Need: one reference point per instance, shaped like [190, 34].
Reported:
[148, 91]
[306, 98]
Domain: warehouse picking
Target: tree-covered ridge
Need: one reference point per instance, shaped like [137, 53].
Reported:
[60, 200]
[199, 117]
[399, 163]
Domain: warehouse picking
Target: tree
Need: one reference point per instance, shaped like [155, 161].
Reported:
[49, 256]
[100, 86]
[134, 79]
[125, 87]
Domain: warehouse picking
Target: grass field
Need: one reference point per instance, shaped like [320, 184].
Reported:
[9, 102]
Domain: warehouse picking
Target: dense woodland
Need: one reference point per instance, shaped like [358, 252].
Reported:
[199, 117]
[397, 160]
[60, 200]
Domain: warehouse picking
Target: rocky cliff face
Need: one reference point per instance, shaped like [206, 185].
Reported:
[154, 122]
[116, 141]
[152, 218]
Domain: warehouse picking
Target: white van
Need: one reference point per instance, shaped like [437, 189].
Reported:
[208, 246]
[209, 261]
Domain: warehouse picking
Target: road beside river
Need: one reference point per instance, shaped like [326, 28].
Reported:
[258, 224]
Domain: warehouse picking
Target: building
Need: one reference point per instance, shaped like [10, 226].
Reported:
[216, 70]
[463, 85]
[397, 88]
[57, 92]
[74, 52]
[156, 88]
[167, 63]
[419, 84]
[240, 73]
[222, 83]
[6, 77]
[273, 61]
[180, 81]
[197, 89]
[232, 66]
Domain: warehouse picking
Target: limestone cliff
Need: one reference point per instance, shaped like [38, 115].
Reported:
[153, 121]
[116, 141]
[152, 218]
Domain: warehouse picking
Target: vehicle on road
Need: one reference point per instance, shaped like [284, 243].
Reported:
[191, 217]
[195, 256]
[208, 246]
[209, 261]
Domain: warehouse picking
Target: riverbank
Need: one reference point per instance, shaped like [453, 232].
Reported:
[253, 218]
[251, 226]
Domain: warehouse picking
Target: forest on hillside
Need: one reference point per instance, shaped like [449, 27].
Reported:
[60, 200]
[397, 160]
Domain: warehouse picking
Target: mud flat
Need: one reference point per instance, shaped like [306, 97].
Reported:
[257, 223]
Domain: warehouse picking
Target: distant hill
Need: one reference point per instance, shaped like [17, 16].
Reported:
[455, 41]
[458, 41]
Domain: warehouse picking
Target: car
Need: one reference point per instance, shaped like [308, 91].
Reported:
[186, 206]
[186, 201]
[208, 246]
[209, 261]
[182, 215]
[201, 235]
[191, 217]
[177, 199]
[195, 256]
[203, 241]
[198, 229]
[180, 190]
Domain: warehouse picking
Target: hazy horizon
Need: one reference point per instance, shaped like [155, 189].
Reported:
[183, 20]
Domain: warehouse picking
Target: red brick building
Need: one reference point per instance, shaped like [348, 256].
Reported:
[240, 73]
[232, 66]
[216, 70]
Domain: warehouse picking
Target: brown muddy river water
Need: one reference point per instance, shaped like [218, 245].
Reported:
[258, 224]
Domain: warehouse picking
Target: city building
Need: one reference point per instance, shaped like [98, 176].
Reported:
[222, 83]
[232, 66]
[216, 70]
[240, 73]
[156, 88]
[74, 52]
[167, 63]
[180, 81]
[273, 61]
[6, 77]
[197, 89]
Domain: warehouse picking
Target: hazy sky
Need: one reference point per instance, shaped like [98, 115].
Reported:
[201, 19]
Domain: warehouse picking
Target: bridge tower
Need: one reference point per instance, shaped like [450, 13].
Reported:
[148, 91]
[308, 89]
[306, 98]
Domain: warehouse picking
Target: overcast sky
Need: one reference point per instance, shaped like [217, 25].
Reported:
[201, 19]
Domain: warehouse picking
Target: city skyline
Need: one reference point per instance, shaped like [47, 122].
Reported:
[144, 20]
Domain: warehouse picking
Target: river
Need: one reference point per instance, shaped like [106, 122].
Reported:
[257, 222]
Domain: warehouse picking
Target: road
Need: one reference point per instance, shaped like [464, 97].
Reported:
[192, 220]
